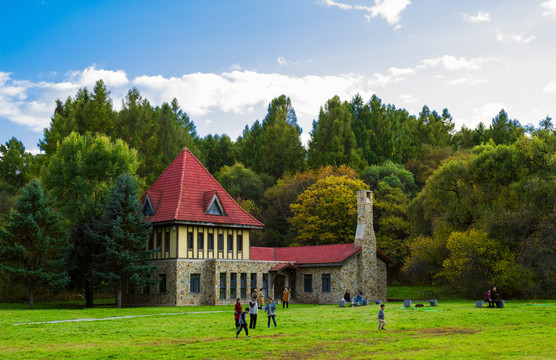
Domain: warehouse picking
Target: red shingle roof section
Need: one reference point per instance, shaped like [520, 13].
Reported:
[179, 194]
[301, 255]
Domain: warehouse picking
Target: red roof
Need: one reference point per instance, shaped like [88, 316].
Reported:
[300, 255]
[182, 191]
[283, 266]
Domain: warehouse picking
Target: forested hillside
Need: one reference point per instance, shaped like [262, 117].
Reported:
[468, 208]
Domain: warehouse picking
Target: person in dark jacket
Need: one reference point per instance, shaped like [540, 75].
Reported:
[237, 311]
[347, 296]
[495, 296]
[243, 323]
[488, 298]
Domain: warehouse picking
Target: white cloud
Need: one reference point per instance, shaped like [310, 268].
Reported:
[450, 62]
[486, 113]
[550, 88]
[480, 17]
[390, 10]
[282, 61]
[549, 8]
[514, 38]
[408, 98]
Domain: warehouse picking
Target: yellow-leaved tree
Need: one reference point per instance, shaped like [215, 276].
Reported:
[326, 213]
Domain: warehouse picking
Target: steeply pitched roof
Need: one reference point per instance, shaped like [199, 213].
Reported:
[182, 191]
[309, 255]
[304, 255]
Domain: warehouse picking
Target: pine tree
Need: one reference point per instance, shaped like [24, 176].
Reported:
[123, 233]
[33, 243]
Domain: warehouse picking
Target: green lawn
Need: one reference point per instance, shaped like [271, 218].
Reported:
[453, 330]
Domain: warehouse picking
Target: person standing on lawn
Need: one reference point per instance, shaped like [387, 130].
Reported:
[243, 323]
[253, 312]
[270, 309]
[286, 298]
[261, 299]
[237, 311]
[381, 321]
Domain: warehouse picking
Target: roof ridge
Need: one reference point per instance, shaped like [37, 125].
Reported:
[224, 190]
[185, 150]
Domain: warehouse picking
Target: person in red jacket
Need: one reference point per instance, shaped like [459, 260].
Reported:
[237, 311]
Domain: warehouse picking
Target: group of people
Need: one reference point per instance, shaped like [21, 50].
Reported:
[255, 304]
[492, 297]
[353, 301]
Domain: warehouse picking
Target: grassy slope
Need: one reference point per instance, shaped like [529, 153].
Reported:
[453, 330]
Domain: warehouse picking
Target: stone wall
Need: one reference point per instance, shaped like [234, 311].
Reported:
[178, 282]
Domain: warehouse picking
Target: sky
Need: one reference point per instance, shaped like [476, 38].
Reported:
[226, 60]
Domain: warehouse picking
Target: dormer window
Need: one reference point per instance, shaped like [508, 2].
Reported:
[147, 207]
[215, 207]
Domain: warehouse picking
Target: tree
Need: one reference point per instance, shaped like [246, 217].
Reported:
[278, 198]
[33, 243]
[123, 234]
[87, 112]
[217, 151]
[332, 139]
[274, 147]
[503, 130]
[82, 169]
[326, 213]
[241, 182]
[393, 174]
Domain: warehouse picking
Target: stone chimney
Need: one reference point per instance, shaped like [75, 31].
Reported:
[365, 238]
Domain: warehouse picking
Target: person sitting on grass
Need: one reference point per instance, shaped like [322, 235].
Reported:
[243, 323]
[381, 321]
[270, 309]
[347, 297]
[359, 298]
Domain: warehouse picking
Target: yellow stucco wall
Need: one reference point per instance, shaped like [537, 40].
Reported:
[178, 242]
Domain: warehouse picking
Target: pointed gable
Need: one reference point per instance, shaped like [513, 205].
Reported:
[186, 192]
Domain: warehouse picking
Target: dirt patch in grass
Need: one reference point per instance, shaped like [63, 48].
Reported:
[449, 330]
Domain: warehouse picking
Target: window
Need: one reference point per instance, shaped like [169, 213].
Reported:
[243, 279]
[211, 242]
[190, 240]
[326, 287]
[220, 242]
[200, 241]
[195, 283]
[265, 285]
[147, 208]
[167, 241]
[233, 281]
[215, 207]
[230, 243]
[253, 281]
[159, 241]
[146, 289]
[308, 283]
[222, 285]
[162, 283]
[239, 243]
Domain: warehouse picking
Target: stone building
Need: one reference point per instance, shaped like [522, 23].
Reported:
[204, 257]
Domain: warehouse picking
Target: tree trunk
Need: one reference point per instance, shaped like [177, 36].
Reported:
[119, 294]
[89, 295]
[31, 297]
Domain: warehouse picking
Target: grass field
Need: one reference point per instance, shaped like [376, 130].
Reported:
[453, 330]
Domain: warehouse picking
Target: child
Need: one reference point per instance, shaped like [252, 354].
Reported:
[243, 323]
[286, 298]
[270, 310]
[253, 311]
[381, 321]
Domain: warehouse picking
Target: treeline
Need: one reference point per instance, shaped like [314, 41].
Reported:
[468, 208]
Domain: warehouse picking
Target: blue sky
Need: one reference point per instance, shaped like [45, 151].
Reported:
[224, 61]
